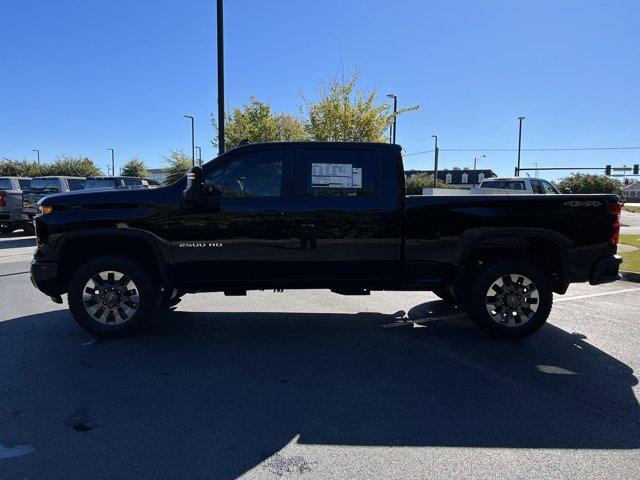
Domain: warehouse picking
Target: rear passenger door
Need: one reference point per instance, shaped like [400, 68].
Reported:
[344, 227]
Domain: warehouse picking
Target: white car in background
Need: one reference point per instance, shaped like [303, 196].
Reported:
[520, 185]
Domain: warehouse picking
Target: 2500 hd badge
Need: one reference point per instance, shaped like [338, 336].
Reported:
[199, 245]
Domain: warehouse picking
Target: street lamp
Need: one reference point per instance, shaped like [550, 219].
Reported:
[435, 161]
[199, 155]
[220, 37]
[113, 162]
[38, 153]
[193, 139]
[475, 160]
[520, 119]
[395, 111]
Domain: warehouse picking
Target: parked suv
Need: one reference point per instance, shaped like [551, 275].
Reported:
[520, 184]
[11, 204]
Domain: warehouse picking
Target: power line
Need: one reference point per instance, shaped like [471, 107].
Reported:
[524, 150]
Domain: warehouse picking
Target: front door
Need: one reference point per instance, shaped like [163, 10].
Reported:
[240, 229]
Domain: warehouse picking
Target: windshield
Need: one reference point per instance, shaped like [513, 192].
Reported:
[94, 183]
[48, 184]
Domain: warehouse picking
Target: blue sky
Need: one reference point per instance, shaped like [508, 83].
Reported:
[78, 77]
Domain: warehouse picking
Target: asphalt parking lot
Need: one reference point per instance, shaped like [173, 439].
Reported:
[309, 384]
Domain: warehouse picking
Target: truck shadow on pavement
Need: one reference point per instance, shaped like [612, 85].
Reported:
[7, 242]
[220, 393]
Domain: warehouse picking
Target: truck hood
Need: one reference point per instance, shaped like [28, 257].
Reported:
[126, 198]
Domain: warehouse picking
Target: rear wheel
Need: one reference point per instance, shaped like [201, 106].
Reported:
[112, 296]
[6, 229]
[509, 299]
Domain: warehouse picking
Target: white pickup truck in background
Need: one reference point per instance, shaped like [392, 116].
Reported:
[500, 186]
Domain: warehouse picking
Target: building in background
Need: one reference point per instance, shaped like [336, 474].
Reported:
[457, 177]
[632, 192]
[157, 174]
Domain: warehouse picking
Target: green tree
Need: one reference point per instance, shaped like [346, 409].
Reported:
[177, 165]
[73, 167]
[256, 122]
[135, 168]
[416, 183]
[587, 183]
[21, 168]
[344, 113]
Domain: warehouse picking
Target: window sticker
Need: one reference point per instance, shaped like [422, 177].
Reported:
[335, 175]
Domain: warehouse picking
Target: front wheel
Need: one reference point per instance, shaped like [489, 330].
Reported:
[509, 299]
[112, 296]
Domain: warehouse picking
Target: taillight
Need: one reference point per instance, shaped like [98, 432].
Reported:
[615, 209]
[3, 199]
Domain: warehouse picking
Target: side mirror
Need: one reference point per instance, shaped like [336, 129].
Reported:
[193, 191]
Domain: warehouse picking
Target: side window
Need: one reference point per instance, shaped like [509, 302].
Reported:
[256, 174]
[515, 186]
[25, 183]
[340, 173]
[5, 184]
[549, 189]
[536, 187]
[132, 182]
[76, 183]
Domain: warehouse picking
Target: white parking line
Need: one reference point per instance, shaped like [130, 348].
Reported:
[591, 295]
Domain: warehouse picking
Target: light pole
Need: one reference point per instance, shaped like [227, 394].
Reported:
[113, 162]
[435, 161]
[38, 153]
[395, 112]
[520, 119]
[193, 139]
[220, 18]
[199, 155]
[475, 161]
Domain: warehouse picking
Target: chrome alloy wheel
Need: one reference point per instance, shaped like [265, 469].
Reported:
[110, 298]
[512, 300]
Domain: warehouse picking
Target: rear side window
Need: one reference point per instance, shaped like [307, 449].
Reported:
[76, 183]
[25, 183]
[340, 173]
[515, 186]
[132, 182]
[549, 189]
[536, 186]
[5, 184]
[45, 184]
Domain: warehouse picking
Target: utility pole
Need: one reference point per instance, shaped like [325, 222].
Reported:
[475, 161]
[193, 139]
[395, 113]
[520, 119]
[38, 153]
[113, 163]
[220, 18]
[435, 162]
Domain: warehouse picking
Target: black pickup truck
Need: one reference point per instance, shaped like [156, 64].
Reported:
[318, 215]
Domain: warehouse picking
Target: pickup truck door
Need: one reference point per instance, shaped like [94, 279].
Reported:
[240, 229]
[346, 219]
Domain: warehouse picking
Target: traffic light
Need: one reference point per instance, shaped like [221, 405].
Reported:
[607, 169]
[636, 169]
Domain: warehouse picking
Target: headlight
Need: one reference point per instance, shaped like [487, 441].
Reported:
[46, 209]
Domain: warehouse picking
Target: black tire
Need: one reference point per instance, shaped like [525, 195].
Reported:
[28, 228]
[509, 322]
[147, 291]
[447, 295]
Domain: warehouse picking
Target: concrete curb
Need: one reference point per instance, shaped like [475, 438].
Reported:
[630, 276]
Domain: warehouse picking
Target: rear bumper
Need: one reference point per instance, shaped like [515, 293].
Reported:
[605, 270]
[6, 216]
[44, 277]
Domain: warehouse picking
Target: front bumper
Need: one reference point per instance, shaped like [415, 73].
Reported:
[44, 277]
[605, 270]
